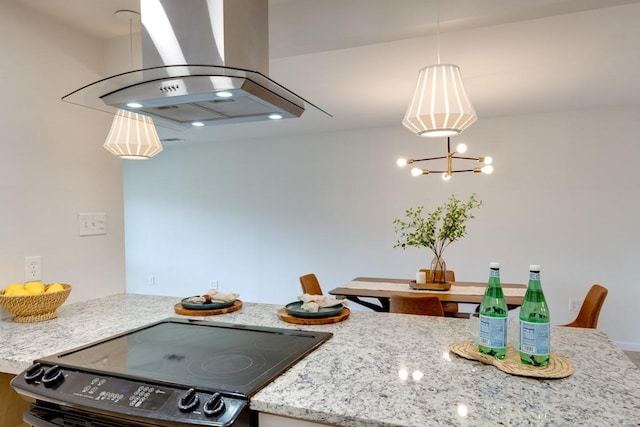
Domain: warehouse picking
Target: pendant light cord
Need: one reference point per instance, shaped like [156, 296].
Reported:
[131, 41]
[438, 30]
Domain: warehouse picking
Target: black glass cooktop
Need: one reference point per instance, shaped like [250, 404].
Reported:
[207, 355]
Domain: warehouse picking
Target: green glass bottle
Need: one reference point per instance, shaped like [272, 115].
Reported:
[493, 317]
[534, 323]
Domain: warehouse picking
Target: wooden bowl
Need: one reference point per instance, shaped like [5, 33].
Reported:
[35, 308]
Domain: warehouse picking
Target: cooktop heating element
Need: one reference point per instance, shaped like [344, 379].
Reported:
[173, 372]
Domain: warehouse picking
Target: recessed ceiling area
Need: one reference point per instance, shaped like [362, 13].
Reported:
[359, 59]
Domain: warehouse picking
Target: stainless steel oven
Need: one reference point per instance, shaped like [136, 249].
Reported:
[176, 372]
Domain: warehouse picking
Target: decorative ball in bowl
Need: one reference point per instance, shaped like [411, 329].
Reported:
[35, 302]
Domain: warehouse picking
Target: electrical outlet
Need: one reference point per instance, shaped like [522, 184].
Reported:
[32, 268]
[91, 224]
[213, 284]
[574, 304]
[151, 280]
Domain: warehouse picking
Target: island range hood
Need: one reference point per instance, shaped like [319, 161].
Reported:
[205, 62]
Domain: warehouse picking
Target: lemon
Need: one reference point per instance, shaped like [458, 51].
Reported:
[13, 286]
[34, 287]
[55, 287]
[16, 292]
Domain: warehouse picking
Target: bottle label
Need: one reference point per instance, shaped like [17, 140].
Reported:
[493, 331]
[494, 273]
[534, 275]
[534, 338]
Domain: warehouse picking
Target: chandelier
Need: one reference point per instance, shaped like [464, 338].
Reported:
[449, 170]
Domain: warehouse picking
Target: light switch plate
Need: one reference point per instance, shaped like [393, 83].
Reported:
[91, 224]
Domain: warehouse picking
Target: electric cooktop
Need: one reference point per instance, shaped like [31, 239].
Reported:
[176, 370]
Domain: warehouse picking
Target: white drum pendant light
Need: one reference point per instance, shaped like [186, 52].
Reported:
[440, 106]
[133, 136]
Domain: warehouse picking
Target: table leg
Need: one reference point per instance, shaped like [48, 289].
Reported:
[383, 307]
[509, 307]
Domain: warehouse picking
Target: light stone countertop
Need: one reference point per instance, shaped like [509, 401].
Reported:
[357, 378]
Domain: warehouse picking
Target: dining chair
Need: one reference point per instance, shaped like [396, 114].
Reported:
[425, 305]
[310, 284]
[590, 309]
[449, 276]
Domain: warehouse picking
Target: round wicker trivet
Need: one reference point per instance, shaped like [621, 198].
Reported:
[558, 367]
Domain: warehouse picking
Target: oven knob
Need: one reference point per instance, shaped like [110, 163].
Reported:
[34, 373]
[214, 406]
[53, 377]
[189, 401]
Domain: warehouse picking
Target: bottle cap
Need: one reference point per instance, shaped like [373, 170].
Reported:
[494, 265]
[534, 267]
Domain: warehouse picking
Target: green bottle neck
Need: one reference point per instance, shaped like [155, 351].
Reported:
[534, 280]
[494, 278]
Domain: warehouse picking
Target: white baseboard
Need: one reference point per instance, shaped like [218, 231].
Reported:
[628, 346]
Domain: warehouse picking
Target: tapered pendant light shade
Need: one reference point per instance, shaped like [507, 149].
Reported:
[440, 106]
[133, 136]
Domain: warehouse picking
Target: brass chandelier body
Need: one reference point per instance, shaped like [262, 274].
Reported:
[449, 170]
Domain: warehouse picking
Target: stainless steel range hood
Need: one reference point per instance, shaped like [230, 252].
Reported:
[204, 61]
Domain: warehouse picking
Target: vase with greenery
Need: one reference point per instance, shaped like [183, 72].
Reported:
[436, 230]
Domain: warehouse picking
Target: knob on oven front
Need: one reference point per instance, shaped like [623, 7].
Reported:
[214, 406]
[189, 401]
[34, 373]
[53, 377]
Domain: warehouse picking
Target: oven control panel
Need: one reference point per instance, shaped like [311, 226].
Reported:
[128, 397]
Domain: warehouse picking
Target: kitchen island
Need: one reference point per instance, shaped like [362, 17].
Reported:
[379, 369]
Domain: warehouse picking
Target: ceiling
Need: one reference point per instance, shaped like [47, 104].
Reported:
[358, 59]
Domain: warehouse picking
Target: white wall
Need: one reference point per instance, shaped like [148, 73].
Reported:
[52, 161]
[256, 214]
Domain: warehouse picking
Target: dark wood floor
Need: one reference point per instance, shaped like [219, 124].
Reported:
[634, 356]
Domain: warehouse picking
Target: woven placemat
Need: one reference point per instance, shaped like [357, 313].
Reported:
[558, 367]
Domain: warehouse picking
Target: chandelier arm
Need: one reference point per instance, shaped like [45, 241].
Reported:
[466, 158]
[462, 170]
[429, 158]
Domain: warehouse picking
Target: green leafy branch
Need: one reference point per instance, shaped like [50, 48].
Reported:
[438, 229]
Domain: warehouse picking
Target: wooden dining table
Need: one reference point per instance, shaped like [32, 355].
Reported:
[383, 288]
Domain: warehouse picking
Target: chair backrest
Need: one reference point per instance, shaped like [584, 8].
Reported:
[449, 276]
[425, 305]
[590, 310]
[310, 284]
